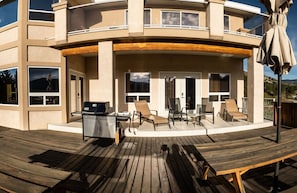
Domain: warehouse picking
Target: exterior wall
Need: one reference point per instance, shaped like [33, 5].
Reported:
[10, 118]
[43, 32]
[236, 22]
[9, 56]
[9, 35]
[43, 54]
[154, 63]
[39, 119]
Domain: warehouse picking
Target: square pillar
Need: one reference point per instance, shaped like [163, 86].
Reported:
[255, 89]
[135, 17]
[215, 18]
[60, 10]
[105, 84]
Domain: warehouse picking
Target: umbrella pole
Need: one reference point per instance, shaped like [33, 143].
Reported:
[279, 106]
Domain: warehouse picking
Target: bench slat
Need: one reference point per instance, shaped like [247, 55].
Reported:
[244, 155]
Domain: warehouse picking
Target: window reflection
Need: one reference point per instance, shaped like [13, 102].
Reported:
[8, 86]
[41, 10]
[137, 86]
[8, 12]
[44, 86]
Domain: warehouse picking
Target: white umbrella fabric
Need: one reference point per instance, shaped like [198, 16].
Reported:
[275, 49]
[276, 52]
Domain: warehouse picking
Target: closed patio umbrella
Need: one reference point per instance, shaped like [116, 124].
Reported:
[276, 51]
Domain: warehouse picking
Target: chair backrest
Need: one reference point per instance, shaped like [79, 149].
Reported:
[142, 107]
[206, 105]
[174, 104]
[231, 105]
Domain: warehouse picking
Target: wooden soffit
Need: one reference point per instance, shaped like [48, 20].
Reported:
[162, 46]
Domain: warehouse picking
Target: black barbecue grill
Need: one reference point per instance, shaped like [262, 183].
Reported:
[99, 121]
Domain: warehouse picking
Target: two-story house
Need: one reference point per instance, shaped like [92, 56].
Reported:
[56, 54]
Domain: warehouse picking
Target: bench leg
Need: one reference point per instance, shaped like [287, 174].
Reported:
[237, 182]
[205, 172]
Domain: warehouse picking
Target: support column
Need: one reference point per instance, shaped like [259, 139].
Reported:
[60, 10]
[255, 89]
[135, 23]
[105, 84]
[215, 18]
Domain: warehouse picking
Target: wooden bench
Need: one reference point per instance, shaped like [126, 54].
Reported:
[239, 156]
[19, 176]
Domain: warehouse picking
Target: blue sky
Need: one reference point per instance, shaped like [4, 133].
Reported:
[291, 30]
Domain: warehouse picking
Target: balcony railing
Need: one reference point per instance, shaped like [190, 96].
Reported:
[201, 28]
[268, 107]
[250, 35]
[101, 29]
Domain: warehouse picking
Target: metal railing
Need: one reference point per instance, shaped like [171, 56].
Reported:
[268, 107]
[244, 34]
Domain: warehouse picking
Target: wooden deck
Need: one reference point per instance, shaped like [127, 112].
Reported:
[136, 165]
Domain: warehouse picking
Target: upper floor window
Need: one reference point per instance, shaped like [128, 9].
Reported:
[180, 19]
[9, 86]
[41, 10]
[137, 86]
[146, 17]
[226, 22]
[44, 85]
[8, 12]
[219, 86]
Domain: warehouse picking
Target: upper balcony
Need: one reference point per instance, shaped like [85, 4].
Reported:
[159, 19]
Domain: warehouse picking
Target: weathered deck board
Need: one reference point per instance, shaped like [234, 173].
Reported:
[153, 165]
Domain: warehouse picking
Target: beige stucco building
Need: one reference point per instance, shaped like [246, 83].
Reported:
[55, 57]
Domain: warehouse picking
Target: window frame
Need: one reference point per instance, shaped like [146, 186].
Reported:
[17, 89]
[219, 94]
[44, 95]
[180, 12]
[137, 95]
[40, 11]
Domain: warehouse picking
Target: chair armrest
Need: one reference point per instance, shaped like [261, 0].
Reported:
[156, 111]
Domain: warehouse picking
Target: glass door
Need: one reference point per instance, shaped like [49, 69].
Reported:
[76, 94]
[186, 86]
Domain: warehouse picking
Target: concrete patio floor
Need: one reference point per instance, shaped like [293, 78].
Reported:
[180, 128]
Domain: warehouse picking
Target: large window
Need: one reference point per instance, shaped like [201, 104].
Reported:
[137, 86]
[219, 86]
[44, 86]
[41, 10]
[180, 19]
[8, 12]
[9, 86]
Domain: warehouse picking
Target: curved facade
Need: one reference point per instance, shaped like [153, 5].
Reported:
[120, 51]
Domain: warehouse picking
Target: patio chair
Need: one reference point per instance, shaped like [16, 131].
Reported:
[144, 113]
[176, 111]
[206, 108]
[232, 111]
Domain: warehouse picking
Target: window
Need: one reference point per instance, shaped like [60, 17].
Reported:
[180, 19]
[190, 19]
[219, 86]
[41, 10]
[146, 17]
[44, 86]
[226, 23]
[137, 86]
[8, 12]
[9, 86]
[170, 18]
